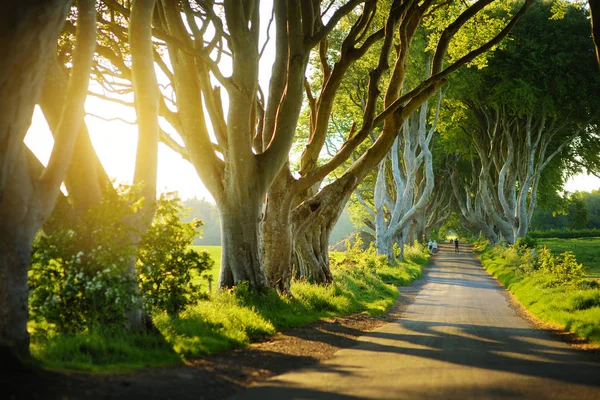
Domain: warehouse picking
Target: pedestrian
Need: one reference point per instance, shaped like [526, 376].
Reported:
[456, 250]
[434, 247]
[429, 245]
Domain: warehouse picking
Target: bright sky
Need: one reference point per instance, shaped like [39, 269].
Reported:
[115, 141]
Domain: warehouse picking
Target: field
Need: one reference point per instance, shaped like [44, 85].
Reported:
[215, 254]
[586, 250]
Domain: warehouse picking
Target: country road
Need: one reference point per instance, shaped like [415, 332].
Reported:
[459, 339]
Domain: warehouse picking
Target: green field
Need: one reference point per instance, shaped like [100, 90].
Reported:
[215, 254]
[586, 250]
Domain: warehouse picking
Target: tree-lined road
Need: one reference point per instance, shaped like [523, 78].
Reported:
[460, 339]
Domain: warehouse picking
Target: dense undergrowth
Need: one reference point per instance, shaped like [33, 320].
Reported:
[363, 282]
[551, 287]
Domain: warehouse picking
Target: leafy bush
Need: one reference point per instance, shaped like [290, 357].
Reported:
[77, 277]
[560, 270]
[526, 242]
[166, 264]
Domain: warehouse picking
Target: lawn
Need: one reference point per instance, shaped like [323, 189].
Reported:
[586, 250]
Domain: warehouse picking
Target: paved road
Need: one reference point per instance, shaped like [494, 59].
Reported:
[460, 339]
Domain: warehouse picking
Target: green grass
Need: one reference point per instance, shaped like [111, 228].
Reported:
[586, 250]
[230, 319]
[575, 308]
[215, 254]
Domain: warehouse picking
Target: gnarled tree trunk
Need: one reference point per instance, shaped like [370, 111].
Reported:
[240, 215]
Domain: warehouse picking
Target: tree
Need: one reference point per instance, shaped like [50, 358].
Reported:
[314, 217]
[542, 101]
[249, 147]
[595, 20]
[28, 34]
[578, 211]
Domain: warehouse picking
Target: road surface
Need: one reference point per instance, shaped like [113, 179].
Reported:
[459, 339]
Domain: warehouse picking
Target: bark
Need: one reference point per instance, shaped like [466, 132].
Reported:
[239, 241]
[276, 228]
[15, 249]
[595, 20]
[28, 33]
[313, 221]
[86, 178]
[145, 86]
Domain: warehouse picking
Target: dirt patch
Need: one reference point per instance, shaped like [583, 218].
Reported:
[214, 377]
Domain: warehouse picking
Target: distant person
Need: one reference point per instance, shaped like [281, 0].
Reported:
[434, 247]
[429, 245]
[451, 241]
[456, 250]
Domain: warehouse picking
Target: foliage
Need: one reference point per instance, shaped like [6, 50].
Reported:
[77, 280]
[565, 233]
[574, 307]
[585, 250]
[578, 211]
[166, 264]
[526, 242]
[233, 318]
[205, 211]
[560, 270]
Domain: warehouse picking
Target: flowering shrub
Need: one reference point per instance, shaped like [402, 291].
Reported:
[166, 265]
[77, 278]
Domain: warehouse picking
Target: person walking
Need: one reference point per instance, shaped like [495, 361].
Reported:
[456, 250]
[434, 247]
[429, 245]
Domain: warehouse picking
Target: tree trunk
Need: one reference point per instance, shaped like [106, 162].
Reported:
[313, 221]
[15, 249]
[240, 260]
[86, 179]
[276, 233]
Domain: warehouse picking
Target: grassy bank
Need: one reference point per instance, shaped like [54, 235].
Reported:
[586, 250]
[547, 292]
[362, 283]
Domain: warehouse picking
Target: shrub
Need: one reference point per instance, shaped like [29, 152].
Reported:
[526, 242]
[560, 270]
[77, 277]
[166, 265]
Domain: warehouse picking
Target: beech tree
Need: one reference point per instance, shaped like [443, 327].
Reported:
[240, 158]
[398, 205]
[28, 35]
[543, 101]
[314, 218]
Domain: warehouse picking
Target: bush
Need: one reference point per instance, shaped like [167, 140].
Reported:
[77, 277]
[166, 265]
[526, 242]
[560, 270]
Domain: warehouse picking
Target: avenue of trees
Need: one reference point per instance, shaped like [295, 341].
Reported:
[357, 101]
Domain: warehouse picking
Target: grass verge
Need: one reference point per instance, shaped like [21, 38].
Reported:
[574, 307]
[363, 282]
